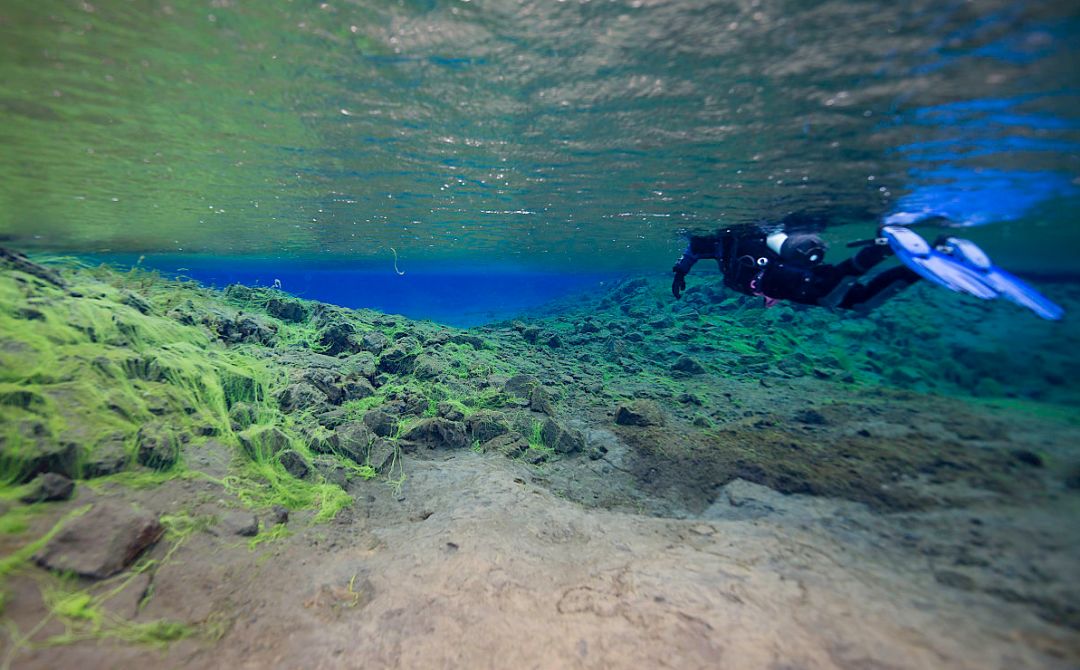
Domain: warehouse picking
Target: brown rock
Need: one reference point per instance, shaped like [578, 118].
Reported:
[102, 542]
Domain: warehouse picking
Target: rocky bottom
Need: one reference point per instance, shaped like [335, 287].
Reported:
[205, 479]
[473, 564]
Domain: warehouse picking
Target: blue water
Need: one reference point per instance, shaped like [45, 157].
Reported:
[550, 137]
[460, 297]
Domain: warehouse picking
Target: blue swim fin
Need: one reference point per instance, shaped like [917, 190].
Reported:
[1007, 285]
[934, 266]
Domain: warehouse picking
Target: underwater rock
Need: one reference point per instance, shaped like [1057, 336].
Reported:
[540, 400]
[300, 396]
[810, 417]
[357, 389]
[426, 367]
[793, 365]
[360, 364]
[16, 261]
[260, 442]
[380, 455]
[399, 358]
[44, 454]
[374, 342]
[562, 439]
[244, 524]
[449, 411]
[338, 338]
[511, 445]
[108, 457]
[157, 446]
[688, 365]
[436, 433]
[136, 302]
[380, 423]
[331, 469]
[639, 413]
[551, 339]
[286, 310]
[49, 487]
[486, 425]
[294, 463]
[1027, 457]
[242, 415]
[464, 338]
[1072, 480]
[520, 386]
[327, 382]
[352, 441]
[102, 542]
[243, 328]
[278, 515]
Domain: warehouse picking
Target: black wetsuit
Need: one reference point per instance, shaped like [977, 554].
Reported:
[751, 267]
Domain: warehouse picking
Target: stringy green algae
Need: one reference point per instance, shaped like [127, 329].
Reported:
[91, 364]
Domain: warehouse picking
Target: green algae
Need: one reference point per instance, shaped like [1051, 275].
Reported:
[85, 373]
[277, 532]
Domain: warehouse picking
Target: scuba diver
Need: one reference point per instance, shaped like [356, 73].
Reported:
[777, 265]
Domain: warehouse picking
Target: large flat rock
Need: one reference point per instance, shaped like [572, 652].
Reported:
[102, 542]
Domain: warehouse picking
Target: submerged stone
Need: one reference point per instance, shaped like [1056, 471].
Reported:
[49, 487]
[511, 445]
[102, 542]
[286, 310]
[260, 442]
[293, 463]
[338, 338]
[157, 446]
[380, 422]
[448, 410]
[520, 386]
[540, 400]
[437, 433]
[486, 425]
[561, 438]
[688, 365]
[244, 524]
[374, 342]
[352, 441]
[399, 358]
[639, 413]
[108, 458]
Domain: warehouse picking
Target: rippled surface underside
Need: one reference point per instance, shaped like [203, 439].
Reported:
[553, 133]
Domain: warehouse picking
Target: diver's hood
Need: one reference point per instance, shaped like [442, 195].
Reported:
[798, 248]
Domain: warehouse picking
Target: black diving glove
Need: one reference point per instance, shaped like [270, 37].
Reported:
[678, 285]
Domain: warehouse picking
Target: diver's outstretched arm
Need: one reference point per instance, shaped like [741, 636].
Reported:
[696, 249]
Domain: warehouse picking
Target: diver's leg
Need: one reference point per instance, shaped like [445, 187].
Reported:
[833, 283]
[879, 289]
[865, 260]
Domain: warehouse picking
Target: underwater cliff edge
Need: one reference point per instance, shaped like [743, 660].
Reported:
[217, 425]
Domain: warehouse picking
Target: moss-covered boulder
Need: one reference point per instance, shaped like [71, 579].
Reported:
[157, 446]
[486, 425]
[263, 441]
[562, 438]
